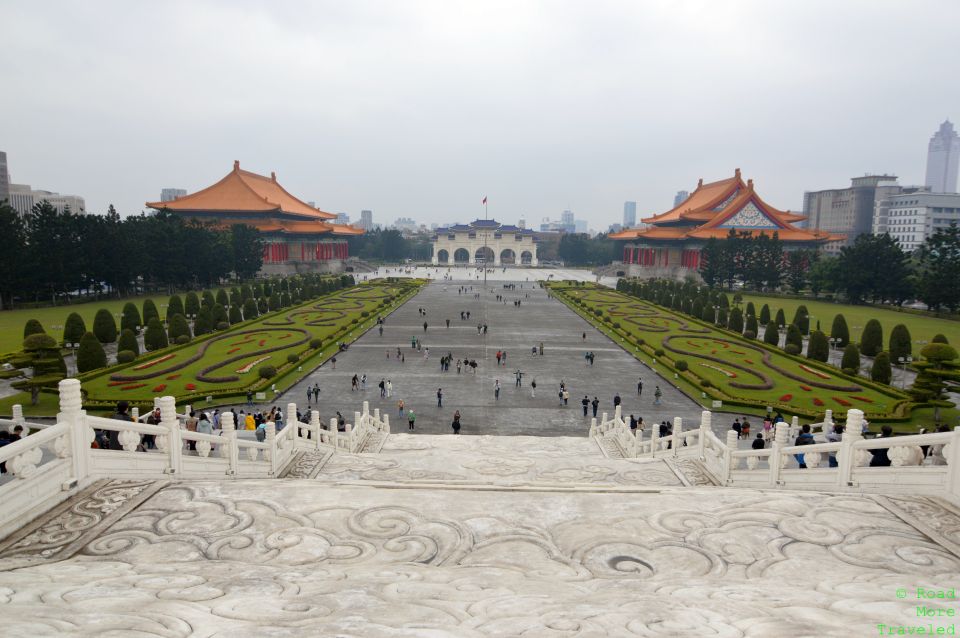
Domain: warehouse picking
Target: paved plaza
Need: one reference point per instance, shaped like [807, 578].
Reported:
[514, 329]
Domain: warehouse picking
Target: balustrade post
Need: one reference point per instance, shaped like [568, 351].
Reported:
[291, 418]
[366, 408]
[847, 456]
[677, 435]
[603, 423]
[617, 415]
[386, 423]
[334, 435]
[169, 420]
[271, 452]
[728, 459]
[951, 452]
[135, 413]
[80, 435]
[637, 443]
[356, 430]
[706, 419]
[17, 418]
[229, 448]
[315, 427]
[654, 439]
[774, 460]
[827, 422]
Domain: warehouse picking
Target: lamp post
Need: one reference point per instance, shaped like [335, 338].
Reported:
[810, 319]
[833, 346]
[783, 336]
[903, 370]
[716, 314]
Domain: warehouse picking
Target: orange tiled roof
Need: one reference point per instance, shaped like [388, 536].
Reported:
[705, 197]
[244, 192]
[289, 226]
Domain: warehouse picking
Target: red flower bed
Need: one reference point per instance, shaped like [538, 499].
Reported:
[806, 388]
[284, 336]
[232, 350]
[160, 388]
[786, 397]
[842, 402]
[190, 386]
[737, 352]
[173, 376]
[150, 364]
[116, 383]
[133, 387]
[817, 401]
[864, 399]
[748, 361]
[262, 341]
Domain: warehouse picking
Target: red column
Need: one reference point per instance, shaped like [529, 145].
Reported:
[346, 250]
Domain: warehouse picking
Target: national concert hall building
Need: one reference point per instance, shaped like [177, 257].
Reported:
[669, 244]
[296, 236]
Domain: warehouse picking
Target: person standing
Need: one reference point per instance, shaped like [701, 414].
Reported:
[595, 404]
[518, 375]
[806, 438]
[383, 388]
[657, 393]
[456, 422]
[411, 419]
[533, 389]
[400, 407]
[439, 397]
[585, 402]
[566, 397]
[880, 456]
[424, 326]
[758, 444]
[541, 348]
[496, 390]
[498, 357]
[639, 387]
[616, 400]
[389, 388]
[736, 427]
[249, 398]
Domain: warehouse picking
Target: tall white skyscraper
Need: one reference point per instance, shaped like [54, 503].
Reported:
[629, 214]
[943, 155]
[170, 194]
[366, 219]
[679, 197]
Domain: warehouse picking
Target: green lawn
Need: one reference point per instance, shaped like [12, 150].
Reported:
[737, 370]
[12, 321]
[922, 328]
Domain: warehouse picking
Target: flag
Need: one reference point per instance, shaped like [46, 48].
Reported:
[484, 200]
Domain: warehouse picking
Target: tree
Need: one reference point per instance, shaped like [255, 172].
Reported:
[937, 366]
[764, 314]
[881, 371]
[175, 307]
[798, 266]
[794, 337]
[149, 312]
[105, 326]
[250, 309]
[191, 304]
[234, 315]
[33, 327]
[771, 334]
[781, 319]
[74, 328]
[177, 327]
[128, 341]
[14, 253]
[90, 354]
[751, 310]
[204, 322]
[711, 262]
[43, 353]
[247, 249]
[222, 298]
[219, 314]
[752, 327]
[722, 316]
[871, 340]
[154, 337]
[840, 331]
[818, 348]
[939, 338]
[824, 275]
[130, 319]
[851, 359]
[736, 321]
[876, 268]
[900, 345]
[801, 317]
[938, 262]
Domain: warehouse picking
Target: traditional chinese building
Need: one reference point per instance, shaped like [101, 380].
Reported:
[669, 244]
[484, 241]
[296, 236]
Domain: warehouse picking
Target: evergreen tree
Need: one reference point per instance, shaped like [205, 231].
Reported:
[130, 319]
[250, 310]
[939, 338]
[871, 340]
[204, 322]
[47, 363]
[818, 348]
[207, 299]
[752, 327]
[128, 341]
[90, 354]
[178, 326]
[801, 319]
[33, 327]
[736, 321]
[235, 315]
[875, 267]
[246, 292]
[900, 345]
[262, 305]
[781, 319]
[175, 307]
[881, 371]
[722, 316]
[154, 337]
[939, 262]
[751, 311]
[839, 331]
[149, 312]
[192, 304]
[74, 328]
[105, 326]
[771, 335]
[851, 359]
[219, 315]
[764, 315]
[696, 309]
[222, 298]
[794, 337]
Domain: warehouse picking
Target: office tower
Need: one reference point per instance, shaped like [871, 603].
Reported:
[629, 214]
[943, 154]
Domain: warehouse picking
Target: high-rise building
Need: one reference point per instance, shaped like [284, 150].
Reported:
[913, 217]
[4, 178]
[366, 219]
[342, 218]
[943, 159]
[23, 198]
[679, 197]
[844, 211]
[567, 221]
[629, 214]
[170, 194]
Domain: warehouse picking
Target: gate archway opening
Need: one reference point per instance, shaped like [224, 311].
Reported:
[526, 257]
[484, 255]
[443, 256]
[461, 256]
[508, 257]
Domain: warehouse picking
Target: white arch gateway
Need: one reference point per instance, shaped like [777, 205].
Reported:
[484, 241]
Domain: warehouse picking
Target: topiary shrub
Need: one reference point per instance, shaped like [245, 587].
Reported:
[764, 317]
[90, 354]
[222, 298]
[616, 325]
[938, 352]
[658, 352]
[881, 372]
[219, 314]
[598, 312]
[705, 383]
[818, 348]
[154, 337]
[74, 328]
[223, 325]
[33, 327]
[751, 327]
[104, 326]
[191, 304]
[250, 310]
[175, 307]
[680, 365]
[207, 299]
[130, 318]
[181, 339]
[234, 315]
[606, 319]
[316, 344]
[939, 338]
[871, 341]
[771, 335]
[794, 337]
[780, 319]
[722, 316]
[851, 359]
[126, 356]
[736, 320]
[801, 319]
[128, 341]
[267, 372]
[178, 327]
[900, 345]
[749, 334]
[149, 312]
[203, 324]
[364, 314]
[292, 357]
[840, 331]
[262, 305]
[274, 302]
[792, 348]
[751, 311]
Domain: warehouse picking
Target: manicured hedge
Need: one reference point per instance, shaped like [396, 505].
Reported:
[900, 345]
[90, 354]
[840, 331]
[128, 341]
[130, 318]
[881, 371]
[871, 341]
[74, 328]
[104, 326]
[33, 327]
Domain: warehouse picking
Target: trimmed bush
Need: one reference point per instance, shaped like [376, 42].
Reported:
[680, 365]
[792, 348]
[939, 338]
[219, 314]
[798, 315]
[175, 307]
[851, 359]
[207, 299]
[292, 357]
[263, 306]
[154, 337]
[749, 334]
[128, 341]
[794, 337]
[126, 356]
[223, 325]
[736, 320]
[246, 292]
[764, 315]
[39, 341]
[234, 315]
[818, 348]
[871, 341]
[33, 327]
[274, 302]
[104, 326]
[181, 339]
[708, 313]
[658, 352]
[203, 324]
[771, 335]
[149, 312]
[250, 310]
[752, 327]
[74, 328]
[840, 331]
[222, 298]
[780, 319]
[316, 344]
[598, 312]
[938, 352]
[191, 304]
[178, 327]
[751, 311]
[267, 372]
[90, 354]
[130, 319]
[881, 371]
[722, 316]
[900, 345]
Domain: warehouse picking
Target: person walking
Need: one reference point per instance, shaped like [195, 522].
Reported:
[439, 397]
[736, 427]
[595, 404]
[541, 348]
[389, 388]
[806, 438]
[499, 354]
[383, 388]
[504, 358]
[496, 390]
[518, 375]
[657, 393]
[566, 397]
[400, 407]
[585, 402]
[639, 387]
[533, 389]
[333, 360]
[456, 422]
[249, 398]
[354, 383]
[411, 419]
[758, 444]
[316, 392]
[381, 329]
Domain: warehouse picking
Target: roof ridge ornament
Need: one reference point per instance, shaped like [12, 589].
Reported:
[236, 165]
[273, 176]
[736, 172]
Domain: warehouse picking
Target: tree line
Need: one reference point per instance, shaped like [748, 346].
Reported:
[874, 268]
[49, 254]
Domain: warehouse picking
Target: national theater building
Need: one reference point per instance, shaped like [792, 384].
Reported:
[484, 241]
[296, 236]
[669, 244]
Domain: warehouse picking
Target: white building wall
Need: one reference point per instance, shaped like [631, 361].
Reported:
[507, 241]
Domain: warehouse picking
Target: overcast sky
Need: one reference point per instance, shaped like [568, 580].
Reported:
[419, 109]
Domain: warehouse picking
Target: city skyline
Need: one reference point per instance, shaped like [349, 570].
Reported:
[425, 127]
